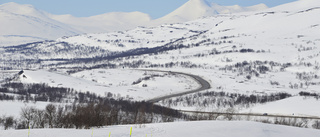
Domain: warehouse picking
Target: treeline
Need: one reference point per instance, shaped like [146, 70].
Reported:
[147, 78]
[44, 93]
[134, 64]
[59, 50]
[90, 115]
[255, 68]
[82, 54]
[219, 100]
[308, 94]
[84, 110]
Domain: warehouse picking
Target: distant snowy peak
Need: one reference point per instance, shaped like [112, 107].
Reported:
[24, 23]
[125, 15]
[195, 9]
[15, 8]
[297, 5]
[113, 21]
[191, 10]
[257, 7]
[236, 8]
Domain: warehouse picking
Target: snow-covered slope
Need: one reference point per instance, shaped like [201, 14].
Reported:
[195, 9]
[191, 10]
[271, 51]
[23, 23]
[178, 129]
[114, 21]
[237, 9]
[296, 5]
[133, 84]
[299, 105]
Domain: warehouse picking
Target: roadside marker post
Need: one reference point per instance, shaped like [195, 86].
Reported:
[29, 132]
[130, 131]
[109, 134]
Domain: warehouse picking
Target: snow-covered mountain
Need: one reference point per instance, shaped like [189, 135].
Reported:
[25, 23]
[114, 21]
[247, 57]
[195, 9]
[287, 34]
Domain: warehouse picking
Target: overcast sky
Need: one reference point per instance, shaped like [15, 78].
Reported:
[155, 8]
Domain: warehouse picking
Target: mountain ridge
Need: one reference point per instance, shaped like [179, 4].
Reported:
[29, 24]
[195, 9]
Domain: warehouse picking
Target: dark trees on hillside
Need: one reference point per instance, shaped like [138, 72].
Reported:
[87, 109]
[50, 112]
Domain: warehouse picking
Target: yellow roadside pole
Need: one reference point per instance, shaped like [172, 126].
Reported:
[92, 133]
[29, 132]
[130, 131]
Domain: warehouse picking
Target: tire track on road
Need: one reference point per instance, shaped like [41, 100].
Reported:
[204, 85]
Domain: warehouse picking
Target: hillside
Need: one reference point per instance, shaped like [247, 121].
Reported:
[255, 62]
[25, 23]
[195, 9]
[108, 22]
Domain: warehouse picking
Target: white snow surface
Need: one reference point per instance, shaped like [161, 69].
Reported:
[305, 106]
[288, 34]
[113, 21]
[25, 23]
[195, 9]
[177, 129]
[116, 81]
[13, 108]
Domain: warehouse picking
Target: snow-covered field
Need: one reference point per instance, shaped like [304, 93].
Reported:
[253, 53]
[116, 81]
[13, 108]
[177, 129]
[305, 106]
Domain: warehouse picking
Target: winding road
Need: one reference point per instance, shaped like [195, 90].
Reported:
[204, 85]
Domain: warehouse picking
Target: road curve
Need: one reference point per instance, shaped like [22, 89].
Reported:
[204, 85]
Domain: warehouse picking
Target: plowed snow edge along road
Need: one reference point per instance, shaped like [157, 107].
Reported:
[204, 85]
[253, 114]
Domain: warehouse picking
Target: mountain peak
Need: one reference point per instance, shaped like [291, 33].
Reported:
[194, 9]
[191, 10]
[260, 6]
[10, 4]
[24, 9]
[202, 2]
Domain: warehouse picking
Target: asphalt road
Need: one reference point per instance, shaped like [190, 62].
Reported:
[204, 85]
[253, 114]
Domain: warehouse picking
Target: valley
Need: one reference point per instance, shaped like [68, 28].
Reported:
[258, 68]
